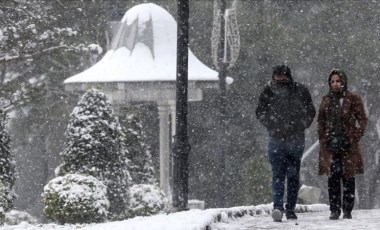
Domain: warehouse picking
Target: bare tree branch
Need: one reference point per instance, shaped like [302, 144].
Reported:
[60, 3]
[378, 127]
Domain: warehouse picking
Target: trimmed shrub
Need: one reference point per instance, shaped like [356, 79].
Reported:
[147, 200]
[75, 198]
[7, 164]
[2, 216]
[3, 203]
[139, 154]
[94, 146]
[15, 217]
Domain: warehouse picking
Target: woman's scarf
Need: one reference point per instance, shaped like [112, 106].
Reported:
[337, 136]
[335, 110]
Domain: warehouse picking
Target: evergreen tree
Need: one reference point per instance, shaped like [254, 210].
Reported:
[7, 165]
[94, 146]
[41, 44]
[141, 167]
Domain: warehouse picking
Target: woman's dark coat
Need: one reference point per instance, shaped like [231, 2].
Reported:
[354, 120]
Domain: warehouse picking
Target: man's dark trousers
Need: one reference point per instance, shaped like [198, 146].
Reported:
[285, 160]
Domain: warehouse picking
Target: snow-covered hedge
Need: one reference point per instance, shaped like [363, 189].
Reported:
[2, 216]
[15, 217]
[7, 164]
[94, 146]
[147, 200]
[75, 198]
[3, 203]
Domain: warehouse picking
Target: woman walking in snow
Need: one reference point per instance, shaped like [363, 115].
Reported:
[341, 124]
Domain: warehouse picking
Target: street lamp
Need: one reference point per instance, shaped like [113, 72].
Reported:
[225, 43]
[225, 50]
[181, 148]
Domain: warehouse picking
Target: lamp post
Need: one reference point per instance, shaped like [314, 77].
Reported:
[222, 105]
[221, 61]
[225, 50]
[181, 146]
[225, 44]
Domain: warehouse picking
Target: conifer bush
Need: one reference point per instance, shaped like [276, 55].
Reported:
[139, 154]
[147, 200]
[15, 217]
[75, 198]
[2, 216]
[3, 203]
[7, 164]
[94, 146]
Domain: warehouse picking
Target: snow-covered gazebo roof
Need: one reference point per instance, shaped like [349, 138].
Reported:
[141, 64]
[144, 49]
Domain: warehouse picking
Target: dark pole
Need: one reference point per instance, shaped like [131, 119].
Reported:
[221, 61]
[222, 106]
[181, 148]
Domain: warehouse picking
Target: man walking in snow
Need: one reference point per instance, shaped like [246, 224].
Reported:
[286, 109]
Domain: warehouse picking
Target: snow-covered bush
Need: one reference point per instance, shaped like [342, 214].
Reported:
[3, 203]
[94, 146]
[147, 200]
[2, 216]
[141, 164]
[75, 198]
[15, 217]
[7, 164]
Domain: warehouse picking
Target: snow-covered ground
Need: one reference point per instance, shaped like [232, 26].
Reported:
[362, 219]
[247, 217]
[253, 217]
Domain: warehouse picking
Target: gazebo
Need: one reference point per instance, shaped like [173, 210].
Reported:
[141, 66]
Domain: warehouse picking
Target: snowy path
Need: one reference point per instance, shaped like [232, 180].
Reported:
[316, 217]
[362, 219]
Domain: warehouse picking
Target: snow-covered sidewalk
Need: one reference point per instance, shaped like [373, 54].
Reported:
[362, 219]
[191, 220]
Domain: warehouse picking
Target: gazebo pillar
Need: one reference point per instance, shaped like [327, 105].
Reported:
[172, 104]
[163, 111]
[173, 117]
